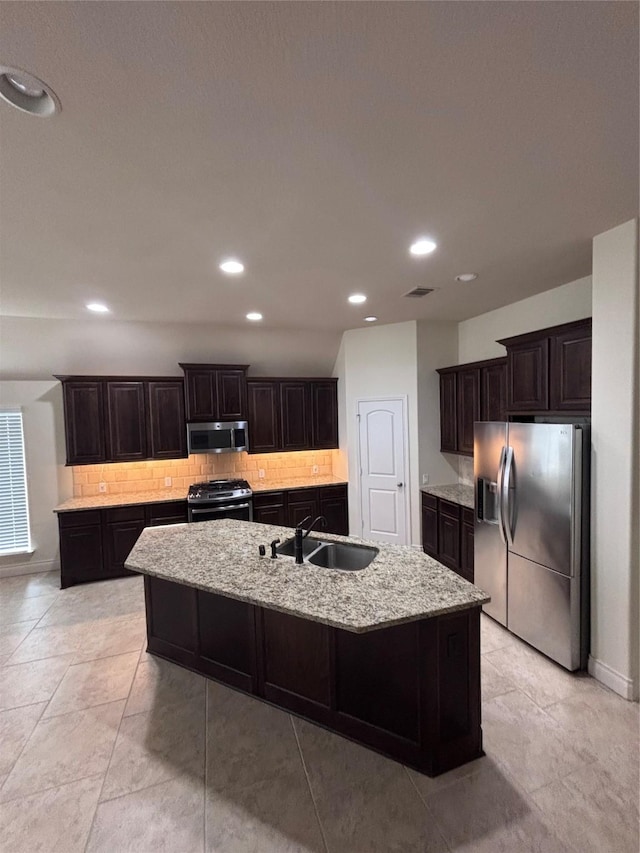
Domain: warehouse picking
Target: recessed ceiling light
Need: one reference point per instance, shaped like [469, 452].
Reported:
[98, 307]
[370, 319]
[357, 298]
[27, 93]
[422, 246]
[254, 315]
[467, 276]
[232, 266]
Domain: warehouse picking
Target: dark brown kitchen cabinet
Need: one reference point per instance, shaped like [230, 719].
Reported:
[165, 409]
[468, 409]
[430, 524]
[493, 390]
[94, 544]
[123, 418]
[270, 508]
[127, 419]
[447, 534]
[448, 411]
[84, 416]
[324, 414]
[292, 414]
[215, 392]
[289, 507]
[264, 416]
[550, 370]
[295, 415]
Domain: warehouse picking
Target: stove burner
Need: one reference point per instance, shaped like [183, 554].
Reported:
[219, 485]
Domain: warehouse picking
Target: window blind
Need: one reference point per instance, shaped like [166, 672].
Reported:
[15, 536]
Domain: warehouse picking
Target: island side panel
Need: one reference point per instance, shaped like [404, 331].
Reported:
[172, 625]
[227, 640]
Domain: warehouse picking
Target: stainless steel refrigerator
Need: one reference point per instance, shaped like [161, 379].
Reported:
[531, 548]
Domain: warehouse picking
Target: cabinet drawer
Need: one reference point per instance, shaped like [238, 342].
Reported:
[167, 512]
[429, 501]
[299, 495]
[332, 492]
[449, 508]
[468, 516]
[78, 519]
[268, 499]
[124, 513]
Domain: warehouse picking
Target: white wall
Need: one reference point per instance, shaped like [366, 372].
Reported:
[477, 336]
[380, 362]
[437, 346]
[615, 475]
[48, 481]
[35, 348]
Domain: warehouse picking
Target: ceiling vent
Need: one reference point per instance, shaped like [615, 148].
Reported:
[418, 292]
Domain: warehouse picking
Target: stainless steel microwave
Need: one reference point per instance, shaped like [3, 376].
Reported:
[217, 437]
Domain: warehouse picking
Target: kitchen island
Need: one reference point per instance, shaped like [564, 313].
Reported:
[388, 656]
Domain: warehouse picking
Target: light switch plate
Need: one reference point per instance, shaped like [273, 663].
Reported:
[261, 473]
[314, 469]
[102, 487]
[167, 481]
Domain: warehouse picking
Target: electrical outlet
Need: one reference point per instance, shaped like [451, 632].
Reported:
[314, 469]
[167, 481]
[102, 487]
[425, 479]
[261, 473]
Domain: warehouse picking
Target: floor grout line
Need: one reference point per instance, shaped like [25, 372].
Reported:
[48, 788]
[426, 807]
[306, 773]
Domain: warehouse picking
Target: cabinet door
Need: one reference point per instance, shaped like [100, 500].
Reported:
[448, 413]
[333, 504]
[167, 425]
[264, 407]
[570, 370]
[466, 552]
[468, 394]
[127, 421]
[324, 415]
[270, 508]
[231, 386]
[430, 525]
[295, 415]
[84, 422]
[122, 527]
[493, 392]
[168, 512]
[201, 394]
[80, 552]
[300, 504]
[528, 376]
[449, 535]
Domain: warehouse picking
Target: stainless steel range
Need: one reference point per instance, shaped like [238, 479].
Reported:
[220, 499]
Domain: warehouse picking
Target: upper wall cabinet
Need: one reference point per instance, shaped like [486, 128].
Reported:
[469, 393]
[550, 370]
[216, 392]
[292, 414]
[123, 419]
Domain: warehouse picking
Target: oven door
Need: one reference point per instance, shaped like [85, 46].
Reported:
[241, 512]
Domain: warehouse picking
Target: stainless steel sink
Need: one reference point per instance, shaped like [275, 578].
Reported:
[331, 555]
[341, 555]
[287, 549]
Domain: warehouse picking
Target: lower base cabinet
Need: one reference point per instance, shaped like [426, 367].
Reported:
[411, 691]
[447, 534]
[288, 508]
[94, 544]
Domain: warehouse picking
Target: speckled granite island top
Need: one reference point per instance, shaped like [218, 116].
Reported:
[457, 493]
[402, 584]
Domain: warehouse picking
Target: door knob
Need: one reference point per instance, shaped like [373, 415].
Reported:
[400, 485]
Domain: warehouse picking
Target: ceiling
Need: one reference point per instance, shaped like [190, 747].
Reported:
[314, 141]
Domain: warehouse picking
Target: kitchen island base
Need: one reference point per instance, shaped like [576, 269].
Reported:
[410, 691]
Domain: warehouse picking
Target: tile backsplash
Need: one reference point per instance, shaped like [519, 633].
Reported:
[465, 470]
[125, 477]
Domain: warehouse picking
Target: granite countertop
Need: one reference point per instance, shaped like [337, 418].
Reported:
[130, 499]
[295, 483]
[457, 493]
[105, 501]
[402, 584]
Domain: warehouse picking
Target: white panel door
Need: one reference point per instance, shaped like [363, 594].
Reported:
[383, 484]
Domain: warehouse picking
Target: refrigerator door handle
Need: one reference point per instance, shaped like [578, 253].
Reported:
[500, 495]
[506, 495]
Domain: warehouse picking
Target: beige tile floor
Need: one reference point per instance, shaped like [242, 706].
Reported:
[105, 748]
